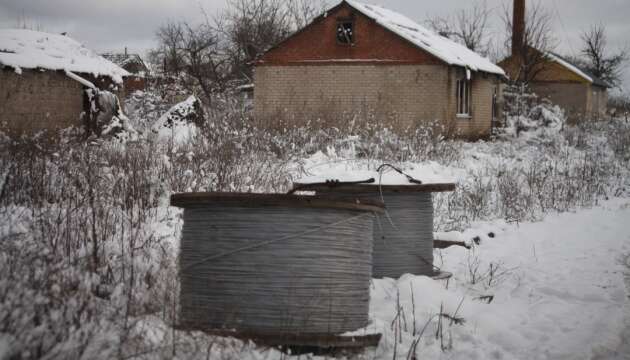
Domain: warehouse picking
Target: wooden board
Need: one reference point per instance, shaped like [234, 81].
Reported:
[322, 341]
[188, 200]
[363, 189]
[442, 275]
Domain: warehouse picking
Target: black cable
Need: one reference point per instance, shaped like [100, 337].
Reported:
[409, 178]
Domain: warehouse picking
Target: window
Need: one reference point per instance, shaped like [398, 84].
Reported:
[495, 95]
[463, 97]
[345, 32]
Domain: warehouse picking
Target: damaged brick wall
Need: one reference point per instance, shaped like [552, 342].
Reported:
[38, 100]
[41, 100]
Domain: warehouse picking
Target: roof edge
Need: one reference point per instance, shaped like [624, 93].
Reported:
[432, 53]
[567, 65]
[299, 31]
[428, 50]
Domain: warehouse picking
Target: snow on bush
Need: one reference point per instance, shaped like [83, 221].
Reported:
[144, 108]
[187, 111]
[531, 117]
[181, 121]
[88, 243]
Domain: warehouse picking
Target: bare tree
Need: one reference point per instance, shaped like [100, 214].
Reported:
[538, 42]
[197, 52]
[302, 12]
[254, 26]
[597, 61]
[168, 54]
[469, 27]
[224, 48]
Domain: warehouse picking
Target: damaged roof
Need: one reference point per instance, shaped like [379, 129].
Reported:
[125, 59]
[439, 46]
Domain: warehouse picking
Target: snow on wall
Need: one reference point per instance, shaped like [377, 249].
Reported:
[445, 49]
[28, 49]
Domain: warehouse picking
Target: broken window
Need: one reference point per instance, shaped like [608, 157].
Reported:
[345, 32]
[463, 97]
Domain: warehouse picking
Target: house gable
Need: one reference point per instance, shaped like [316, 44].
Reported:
[556, 72]
[552, 71]
[317, 43]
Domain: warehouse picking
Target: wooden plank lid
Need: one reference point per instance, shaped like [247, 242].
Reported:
[372, 188]
[191, 200]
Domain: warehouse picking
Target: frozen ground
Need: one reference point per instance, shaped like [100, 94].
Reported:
[559, 293]
[622, 352]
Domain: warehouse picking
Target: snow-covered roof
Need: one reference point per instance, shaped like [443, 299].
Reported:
[28, 49]
[441, 47]
[569, 66]
[576, 69]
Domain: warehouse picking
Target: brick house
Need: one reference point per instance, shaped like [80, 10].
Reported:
[359, 58]
[43, 77]
[566, 84]
[135, 66]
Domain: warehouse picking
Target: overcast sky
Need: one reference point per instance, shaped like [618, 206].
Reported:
[110, 25]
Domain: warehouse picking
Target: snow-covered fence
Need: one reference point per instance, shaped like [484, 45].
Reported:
[275, 264]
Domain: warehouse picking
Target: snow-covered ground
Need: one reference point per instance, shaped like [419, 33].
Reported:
[88, 264]
[623, 350]
[558, 293]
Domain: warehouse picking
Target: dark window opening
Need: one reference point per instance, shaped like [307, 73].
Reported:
[494, 104]
[463, 97]
[345, 32]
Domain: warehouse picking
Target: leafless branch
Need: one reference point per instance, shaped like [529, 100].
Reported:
[538, 41]
[596, 60]
[470, 27]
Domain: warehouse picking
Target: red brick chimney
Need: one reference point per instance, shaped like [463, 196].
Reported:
[518, 27]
